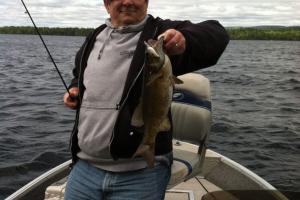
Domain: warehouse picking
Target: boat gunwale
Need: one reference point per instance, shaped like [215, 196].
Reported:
[53, 175]
[61, 171]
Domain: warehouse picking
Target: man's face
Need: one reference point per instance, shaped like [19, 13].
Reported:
[126, 12]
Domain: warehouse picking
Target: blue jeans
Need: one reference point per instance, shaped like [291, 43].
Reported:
[87, 182]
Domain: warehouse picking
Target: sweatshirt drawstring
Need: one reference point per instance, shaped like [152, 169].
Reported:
[105, 43]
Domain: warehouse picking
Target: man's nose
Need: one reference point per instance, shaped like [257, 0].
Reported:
[127, 2]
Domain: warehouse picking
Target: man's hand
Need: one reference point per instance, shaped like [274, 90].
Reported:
[71, 102]
[174, 42]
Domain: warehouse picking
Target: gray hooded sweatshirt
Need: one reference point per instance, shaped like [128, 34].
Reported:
[104, 80]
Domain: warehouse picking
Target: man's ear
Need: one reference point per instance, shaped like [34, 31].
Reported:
[106, 4]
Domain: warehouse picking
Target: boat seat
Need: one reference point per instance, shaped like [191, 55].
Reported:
[191, 116]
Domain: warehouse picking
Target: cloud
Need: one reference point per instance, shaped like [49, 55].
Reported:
[53, 13]
[233, 13]
[82, 13]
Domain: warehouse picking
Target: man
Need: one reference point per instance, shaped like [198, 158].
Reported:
[107, 83]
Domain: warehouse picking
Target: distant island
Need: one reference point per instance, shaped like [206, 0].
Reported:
[264, 33]
[236, 33]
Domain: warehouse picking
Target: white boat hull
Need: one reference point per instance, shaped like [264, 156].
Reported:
[219, 174]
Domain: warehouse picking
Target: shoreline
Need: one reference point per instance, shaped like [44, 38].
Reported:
[236, 33]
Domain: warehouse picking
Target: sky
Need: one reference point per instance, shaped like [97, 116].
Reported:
[91, 13]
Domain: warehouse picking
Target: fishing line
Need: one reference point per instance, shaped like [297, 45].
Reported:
[37, 30]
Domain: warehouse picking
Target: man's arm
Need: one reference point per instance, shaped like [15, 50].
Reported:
[204, 44]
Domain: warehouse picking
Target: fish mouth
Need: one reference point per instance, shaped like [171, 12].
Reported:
[151, 50]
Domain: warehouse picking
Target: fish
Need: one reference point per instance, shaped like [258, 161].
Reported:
[152, 110]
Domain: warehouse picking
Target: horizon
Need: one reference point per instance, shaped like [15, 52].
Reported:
[230, 13]
[260, 26]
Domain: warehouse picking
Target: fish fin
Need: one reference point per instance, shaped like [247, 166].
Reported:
[147, 153]
[165, 125]
[137, 117]
[177, 80]
[152, 78]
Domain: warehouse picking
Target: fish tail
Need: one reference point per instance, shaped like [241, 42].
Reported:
[147, 153]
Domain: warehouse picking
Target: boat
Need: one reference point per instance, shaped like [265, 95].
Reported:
[198, 173]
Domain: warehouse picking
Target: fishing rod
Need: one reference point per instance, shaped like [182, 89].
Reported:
[37, 30]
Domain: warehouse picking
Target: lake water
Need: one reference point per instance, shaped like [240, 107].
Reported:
[256, 112]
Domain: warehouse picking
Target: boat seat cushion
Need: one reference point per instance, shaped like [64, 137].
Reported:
[191, 108]
[191, 117]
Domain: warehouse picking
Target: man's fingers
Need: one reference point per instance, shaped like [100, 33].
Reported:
[70, 98]
[173, 42]
[74, 91]
[168, 35]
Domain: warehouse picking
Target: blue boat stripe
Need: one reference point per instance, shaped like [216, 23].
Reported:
[187, 164]
[188, 98]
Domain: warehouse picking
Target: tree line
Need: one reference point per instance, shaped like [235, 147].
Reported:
[236, 33]
[265, 33]
[45, 30]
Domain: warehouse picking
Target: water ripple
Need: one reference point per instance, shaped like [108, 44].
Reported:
[255, 96]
